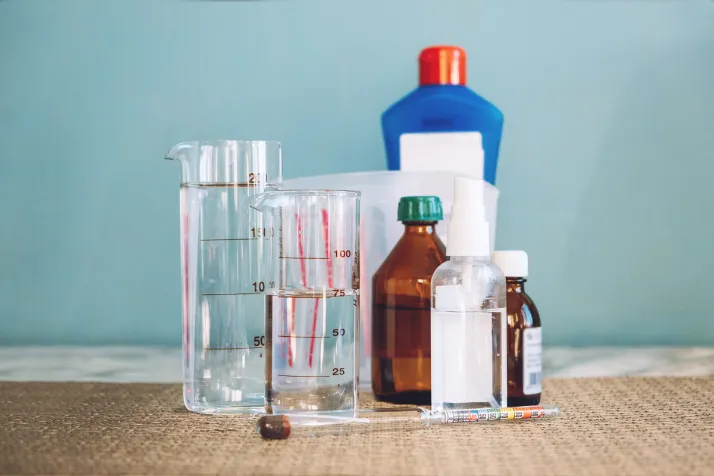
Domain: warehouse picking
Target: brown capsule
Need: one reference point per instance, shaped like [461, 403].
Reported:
[273, 427]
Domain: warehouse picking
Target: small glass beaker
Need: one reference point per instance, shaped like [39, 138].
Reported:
[222, 271]
[312, 317]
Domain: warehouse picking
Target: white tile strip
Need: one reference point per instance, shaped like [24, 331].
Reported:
[95, 364]
[163, 365]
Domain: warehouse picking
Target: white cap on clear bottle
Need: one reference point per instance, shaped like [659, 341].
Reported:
[468, 230]
[513, 263]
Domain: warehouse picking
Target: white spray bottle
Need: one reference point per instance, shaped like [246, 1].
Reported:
[468, 314]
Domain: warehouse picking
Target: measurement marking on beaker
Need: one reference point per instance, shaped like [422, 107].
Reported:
[229, 239]
[305, 376]
[306, 337]
[297, 257]
[230, 294]
[229, 185]
[229, 348]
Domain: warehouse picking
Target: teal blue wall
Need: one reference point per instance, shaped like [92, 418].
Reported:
[606, 165]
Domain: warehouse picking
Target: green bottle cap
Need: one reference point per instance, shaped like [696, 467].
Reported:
[419, 209]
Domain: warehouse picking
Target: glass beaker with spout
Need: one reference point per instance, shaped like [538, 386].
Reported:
[312, 316]
[223, 271]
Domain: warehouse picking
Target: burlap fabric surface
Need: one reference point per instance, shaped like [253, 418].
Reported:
[629, 426]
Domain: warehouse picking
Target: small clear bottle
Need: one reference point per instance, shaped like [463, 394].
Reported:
[524, 331]
[401, 309]
[468, 315]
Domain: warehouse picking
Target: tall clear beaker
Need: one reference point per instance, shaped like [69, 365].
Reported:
[312, 317]
[223, 271]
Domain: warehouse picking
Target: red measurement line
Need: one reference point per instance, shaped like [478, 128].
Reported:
[314, 329]
[303, 280]
[326, 237]
[301, 251]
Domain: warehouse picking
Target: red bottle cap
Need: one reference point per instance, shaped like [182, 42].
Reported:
[442, 65]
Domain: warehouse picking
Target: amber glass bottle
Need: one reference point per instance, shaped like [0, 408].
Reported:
[524, 331]
[401, 306]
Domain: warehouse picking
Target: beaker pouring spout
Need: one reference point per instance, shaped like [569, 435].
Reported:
[186, 154]
[267, 201]
[180, 152]
[255, 164]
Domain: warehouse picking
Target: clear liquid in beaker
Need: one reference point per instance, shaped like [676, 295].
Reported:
[225, 302]
[311, 362]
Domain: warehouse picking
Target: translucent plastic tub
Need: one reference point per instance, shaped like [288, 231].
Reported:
[380, 229]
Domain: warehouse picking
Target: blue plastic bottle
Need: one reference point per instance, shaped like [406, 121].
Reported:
[443, 103]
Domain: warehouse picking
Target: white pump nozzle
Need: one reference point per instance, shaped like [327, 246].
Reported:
[468, 229]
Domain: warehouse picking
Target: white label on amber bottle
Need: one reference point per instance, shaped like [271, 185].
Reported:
[532, 366]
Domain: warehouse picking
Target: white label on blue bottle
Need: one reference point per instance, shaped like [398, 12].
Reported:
[458, 152]
[532, 361]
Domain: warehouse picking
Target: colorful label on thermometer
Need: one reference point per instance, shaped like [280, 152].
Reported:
[507, 414]
[491, 414]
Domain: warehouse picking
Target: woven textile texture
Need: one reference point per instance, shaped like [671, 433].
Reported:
[627, 426]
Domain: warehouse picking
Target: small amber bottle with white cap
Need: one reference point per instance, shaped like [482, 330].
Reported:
[524, 331]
